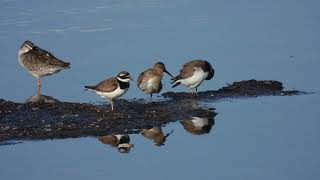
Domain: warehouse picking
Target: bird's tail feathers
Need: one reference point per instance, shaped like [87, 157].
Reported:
[174, 79]
[90, 87]
[66, 65]
[178, 83]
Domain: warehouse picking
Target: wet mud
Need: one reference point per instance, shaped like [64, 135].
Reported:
[65, 120]
[45, 117]
[248, 88]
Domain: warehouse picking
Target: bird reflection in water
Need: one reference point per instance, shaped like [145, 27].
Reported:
[197, 125]
[41, 99]
[119, 141]
[156, 134]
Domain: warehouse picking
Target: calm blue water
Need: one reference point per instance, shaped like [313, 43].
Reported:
[260, 138]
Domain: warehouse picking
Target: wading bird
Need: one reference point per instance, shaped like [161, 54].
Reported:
[193, 74]
[39, 62]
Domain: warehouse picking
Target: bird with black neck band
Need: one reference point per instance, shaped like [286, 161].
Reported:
[112, 88]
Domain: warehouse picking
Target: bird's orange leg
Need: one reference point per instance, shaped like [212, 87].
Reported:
[39, 87]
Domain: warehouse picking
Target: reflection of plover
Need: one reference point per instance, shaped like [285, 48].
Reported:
[41, 99]
[149, 80]
[39, 62]
[197, 125]
[112, 88]
[119, 141]
[193, 74]
[156, 135]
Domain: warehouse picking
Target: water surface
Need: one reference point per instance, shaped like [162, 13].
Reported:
[259, 138]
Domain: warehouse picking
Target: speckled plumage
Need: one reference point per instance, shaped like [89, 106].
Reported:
[156, 134]
[40, 62]
[149, 80]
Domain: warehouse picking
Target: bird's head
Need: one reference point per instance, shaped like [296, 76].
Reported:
[26, 46]
[162, 67]
[124, 76]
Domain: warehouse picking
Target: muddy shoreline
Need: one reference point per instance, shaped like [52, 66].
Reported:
[49, 119]
[249, 88]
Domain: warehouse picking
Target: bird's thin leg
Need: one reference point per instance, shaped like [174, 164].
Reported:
[111, 101]
[194, 92]
[151, 96]
[38, 86]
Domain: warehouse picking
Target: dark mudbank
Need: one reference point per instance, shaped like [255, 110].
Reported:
[55, 119]
[250, 88]
[66, 120]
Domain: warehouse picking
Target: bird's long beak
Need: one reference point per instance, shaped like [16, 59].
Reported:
[131, 78]
[168, 73]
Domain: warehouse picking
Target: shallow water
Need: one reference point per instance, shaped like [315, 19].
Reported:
[259, 138]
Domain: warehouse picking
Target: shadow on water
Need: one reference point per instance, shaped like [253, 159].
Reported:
[41, 99]
[197, 125]
[7, 143]
[193, 125]
[156, 134]
[119, 141]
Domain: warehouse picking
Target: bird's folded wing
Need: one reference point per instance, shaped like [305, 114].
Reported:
[48, 58]
[107, 85]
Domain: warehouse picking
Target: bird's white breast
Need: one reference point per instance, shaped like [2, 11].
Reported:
[150, 85]
[118, 136]
[151, 82]
[114, 94]
[195, 80]
[20, 54]
[199, 122]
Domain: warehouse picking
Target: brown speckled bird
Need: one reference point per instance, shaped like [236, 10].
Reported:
[39, 62]
[156, 134]
[149, 80]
